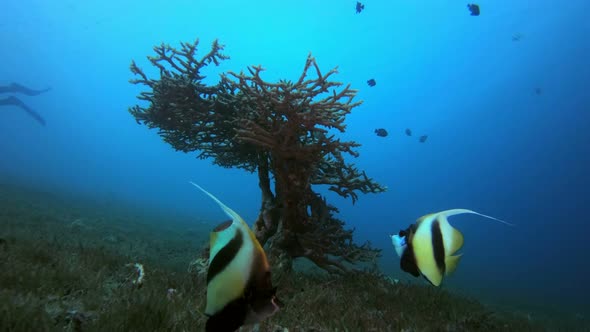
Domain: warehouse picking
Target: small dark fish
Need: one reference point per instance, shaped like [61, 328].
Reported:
[371, 82]
[516, 37]
[538, 91]
[423, 138]
[359, 7]
[408, 132]
[381, 132]
[474, 9]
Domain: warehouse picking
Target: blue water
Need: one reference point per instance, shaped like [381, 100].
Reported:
[495, 145]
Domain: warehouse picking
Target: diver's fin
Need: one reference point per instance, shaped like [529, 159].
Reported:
[453, 212]
[19, 88]
[12, 100]
[451, 263]
[230, 213]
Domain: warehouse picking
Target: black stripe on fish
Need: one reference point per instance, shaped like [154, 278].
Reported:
[223, 225]
[408, 259]
[225, 256]
[257, 300]
[438, 246]
[408, 262]
[230, 318]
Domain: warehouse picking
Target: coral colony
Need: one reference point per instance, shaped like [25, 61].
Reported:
[281, 131]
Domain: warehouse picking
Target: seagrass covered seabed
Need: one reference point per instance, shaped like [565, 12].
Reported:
[68, 264]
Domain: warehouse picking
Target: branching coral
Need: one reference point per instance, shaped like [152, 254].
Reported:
[284, 131]
[187, 113]
[293, 122]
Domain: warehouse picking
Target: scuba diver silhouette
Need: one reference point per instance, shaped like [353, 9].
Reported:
[14, 101]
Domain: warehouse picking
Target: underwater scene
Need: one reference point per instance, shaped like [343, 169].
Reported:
[373, 165]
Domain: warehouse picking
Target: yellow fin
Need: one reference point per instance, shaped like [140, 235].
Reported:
[451, 263]
[452, 238]
[456, 242]
[433, 275]
[212, 239]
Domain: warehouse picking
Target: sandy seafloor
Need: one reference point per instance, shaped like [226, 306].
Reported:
[65, 266]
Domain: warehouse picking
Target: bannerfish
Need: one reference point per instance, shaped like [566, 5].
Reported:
[474, 9]
[408, 132]
[381, 132]
[423, 138]
[372, 82]
[428, 247]
[359, 7]
[239, 286]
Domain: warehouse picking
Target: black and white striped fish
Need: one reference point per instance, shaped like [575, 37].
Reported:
[428, 247]
[239, 287]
